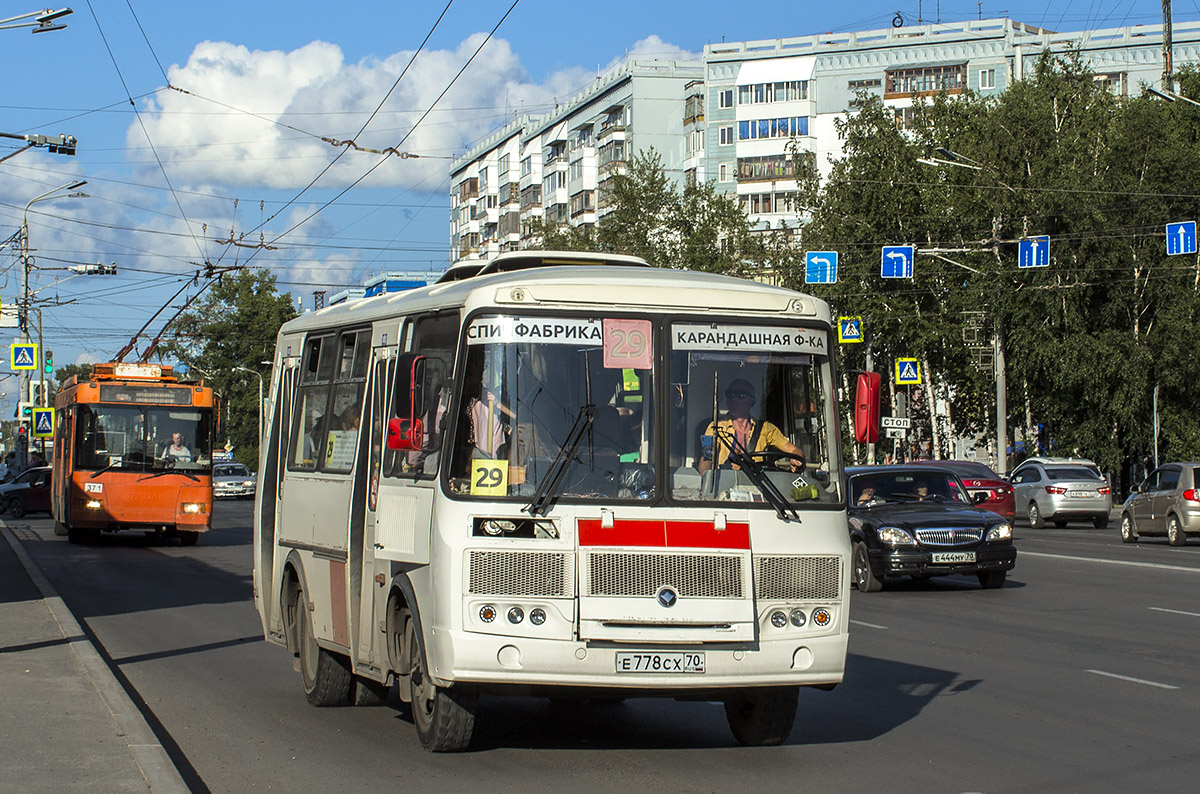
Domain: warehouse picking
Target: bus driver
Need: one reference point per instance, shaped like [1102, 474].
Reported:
[744, 432]
[177, 449]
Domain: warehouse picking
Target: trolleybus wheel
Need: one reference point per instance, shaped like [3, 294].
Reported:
[444, 718]
[762, 716]
[189, 538]
[326, 675]
[81, 535]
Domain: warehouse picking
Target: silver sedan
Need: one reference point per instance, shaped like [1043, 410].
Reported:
[1061, 493]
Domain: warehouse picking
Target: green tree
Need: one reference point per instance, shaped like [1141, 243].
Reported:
[234, 326]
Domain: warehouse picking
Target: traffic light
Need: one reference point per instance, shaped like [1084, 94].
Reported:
[24, 412]
[49, 368]
[866, 408]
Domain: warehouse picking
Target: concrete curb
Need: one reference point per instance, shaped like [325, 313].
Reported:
[149, 755]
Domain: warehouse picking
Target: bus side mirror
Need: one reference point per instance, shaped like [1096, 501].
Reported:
[405, 434]
[405, 429]
[866, 408]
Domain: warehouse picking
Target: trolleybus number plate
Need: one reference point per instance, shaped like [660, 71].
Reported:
[954, 556]
[628, 662]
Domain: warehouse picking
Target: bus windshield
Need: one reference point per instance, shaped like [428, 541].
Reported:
[142, 438]
[544, 397]
[752, 415]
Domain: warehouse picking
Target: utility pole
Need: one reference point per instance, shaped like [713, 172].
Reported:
[1168, 68]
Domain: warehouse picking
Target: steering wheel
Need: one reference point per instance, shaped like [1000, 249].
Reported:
[775, 455]
[169, 462]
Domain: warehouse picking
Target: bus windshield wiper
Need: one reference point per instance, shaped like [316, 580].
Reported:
[98, 472]
[192, 477]
[549, 482]
[744, 458]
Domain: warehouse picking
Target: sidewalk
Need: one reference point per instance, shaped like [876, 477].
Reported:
[66, 724]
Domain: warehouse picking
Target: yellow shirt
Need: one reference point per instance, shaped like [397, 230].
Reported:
[769, 436]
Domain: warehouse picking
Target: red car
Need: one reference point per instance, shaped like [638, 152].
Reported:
[978, 477]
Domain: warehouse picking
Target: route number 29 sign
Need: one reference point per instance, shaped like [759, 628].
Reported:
[627, 344]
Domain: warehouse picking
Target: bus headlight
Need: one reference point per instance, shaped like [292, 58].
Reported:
[516, 615]
[798, 618]
[93, 504]
[778, 619]
[537, 616]
[194, 508]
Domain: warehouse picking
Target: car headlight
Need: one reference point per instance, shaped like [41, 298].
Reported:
[248, 483]
[894, 536]
[1000, 532]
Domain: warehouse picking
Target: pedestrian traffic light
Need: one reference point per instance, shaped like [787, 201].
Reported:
[49, 368]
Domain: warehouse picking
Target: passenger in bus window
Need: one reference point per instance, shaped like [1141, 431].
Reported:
[312, 439]
[741, 431]
[177, 449]
[486, 417]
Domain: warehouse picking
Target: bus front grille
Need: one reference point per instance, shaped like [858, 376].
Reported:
[793, 578]
[519, 573]
[644, 574]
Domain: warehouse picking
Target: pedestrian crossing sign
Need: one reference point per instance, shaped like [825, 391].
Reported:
[43, 423]
[908, 372]
[24, 355]
[850, 329]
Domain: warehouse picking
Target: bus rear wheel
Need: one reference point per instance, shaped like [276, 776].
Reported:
[444, 718]
[326, 675]
[761, 717]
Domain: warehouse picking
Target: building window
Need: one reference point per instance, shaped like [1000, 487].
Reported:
[527, 166]
[987, 78]
[726, 135]
[773, 128]
[723, 172]
[926, 80]
[759, 169]
[725, 98]
[855, 85]
[1116, 83]
[503, 165]
[762, 93]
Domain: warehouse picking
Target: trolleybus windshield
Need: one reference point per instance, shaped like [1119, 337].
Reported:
[562, 405]
[142, 438]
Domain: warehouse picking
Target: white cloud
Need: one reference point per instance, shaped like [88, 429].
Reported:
[314, 90]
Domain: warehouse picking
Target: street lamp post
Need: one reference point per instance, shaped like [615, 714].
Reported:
[260, 400]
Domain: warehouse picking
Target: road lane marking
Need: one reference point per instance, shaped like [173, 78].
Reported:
[868, 625]
[1158, 565]
[1175, 611]
[1131, 680]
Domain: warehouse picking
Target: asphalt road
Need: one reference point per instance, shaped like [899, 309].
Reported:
[1080, 675]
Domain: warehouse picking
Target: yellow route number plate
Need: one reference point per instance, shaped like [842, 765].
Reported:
[489, 478]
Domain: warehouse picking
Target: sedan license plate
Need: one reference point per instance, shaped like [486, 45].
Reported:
[1081, 494]
[632, 662]
[953, 556]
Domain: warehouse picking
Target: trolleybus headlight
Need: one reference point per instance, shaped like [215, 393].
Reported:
[193, 507]
[516, 615]
[537, 616]
[821, 617]
[798, 618]
[93, 504]
[778, 619]
[487, 613]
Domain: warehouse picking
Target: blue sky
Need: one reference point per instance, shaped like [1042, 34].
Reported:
[235, 155]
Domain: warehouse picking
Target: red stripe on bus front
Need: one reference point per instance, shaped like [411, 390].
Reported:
[664, 534]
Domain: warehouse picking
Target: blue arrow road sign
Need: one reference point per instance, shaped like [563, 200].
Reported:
[1034, 251]
[43, 422]
[820, 267]
[1181, 238]
[897, 261]
[24, 356]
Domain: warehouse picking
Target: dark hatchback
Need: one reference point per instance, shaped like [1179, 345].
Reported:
[919, 521]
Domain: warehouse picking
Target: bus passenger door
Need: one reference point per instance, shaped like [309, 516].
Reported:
[268, 495]
[363, 514]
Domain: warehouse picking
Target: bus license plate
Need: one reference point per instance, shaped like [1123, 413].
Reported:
[954, 556]
[630, 662]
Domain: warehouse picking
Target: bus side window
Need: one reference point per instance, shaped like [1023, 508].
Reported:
[435, 337]
[310, 424]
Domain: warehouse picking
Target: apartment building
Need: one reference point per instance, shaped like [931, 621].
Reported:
[731, 116]
[556, 165]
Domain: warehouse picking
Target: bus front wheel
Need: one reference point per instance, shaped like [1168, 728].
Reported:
[762, 716]
[444, 718]
[326, 675]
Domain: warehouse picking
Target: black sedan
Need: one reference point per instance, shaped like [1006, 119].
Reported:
[919, 521]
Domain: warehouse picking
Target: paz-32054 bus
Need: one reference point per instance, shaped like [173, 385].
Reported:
[563, 475]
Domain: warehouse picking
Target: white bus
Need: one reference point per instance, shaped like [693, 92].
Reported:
[533, 502]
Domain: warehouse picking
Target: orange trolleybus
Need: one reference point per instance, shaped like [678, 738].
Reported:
[132, 450]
